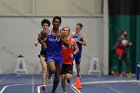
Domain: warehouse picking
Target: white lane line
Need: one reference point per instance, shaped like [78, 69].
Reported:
[76, 90]
[106, 82]
[38, 88]
[33, 83]
[71, 87]
[3, 89]
[103, 83]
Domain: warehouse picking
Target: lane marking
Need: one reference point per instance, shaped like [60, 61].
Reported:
[106, 82]
[38, 88]
[33, 83]
[103, 83]
[76, 90]
[72, 87]
[4, 88]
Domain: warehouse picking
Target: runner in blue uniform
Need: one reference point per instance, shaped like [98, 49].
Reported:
[45, 25]
[53, 55]
[81, 40]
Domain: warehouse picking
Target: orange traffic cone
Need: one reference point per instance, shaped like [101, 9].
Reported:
[78, 83]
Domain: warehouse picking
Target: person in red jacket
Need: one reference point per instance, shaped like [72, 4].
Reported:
[122, 52]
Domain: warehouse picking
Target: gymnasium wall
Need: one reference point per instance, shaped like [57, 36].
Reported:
[20, 24]
[18, 35]
[51, 7]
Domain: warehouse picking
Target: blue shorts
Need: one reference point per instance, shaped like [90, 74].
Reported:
[77, 58]
[57, 60]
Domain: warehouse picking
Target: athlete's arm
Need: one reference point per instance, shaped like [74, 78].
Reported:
[75, 46]
[83, 42]
[42, 37]
[65, 43]
[36, 43]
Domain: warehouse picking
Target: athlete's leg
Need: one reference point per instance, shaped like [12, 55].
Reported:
[78, 60]
[68, 77]
[56, 77]
[69, 72]
[44, 68]
[51, 66]
[63, 77]
[49, 74]
[78, 69]
[63, 82]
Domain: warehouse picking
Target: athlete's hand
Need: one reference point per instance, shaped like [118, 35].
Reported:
[36, 43]
[72, 56]
[44, 45]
